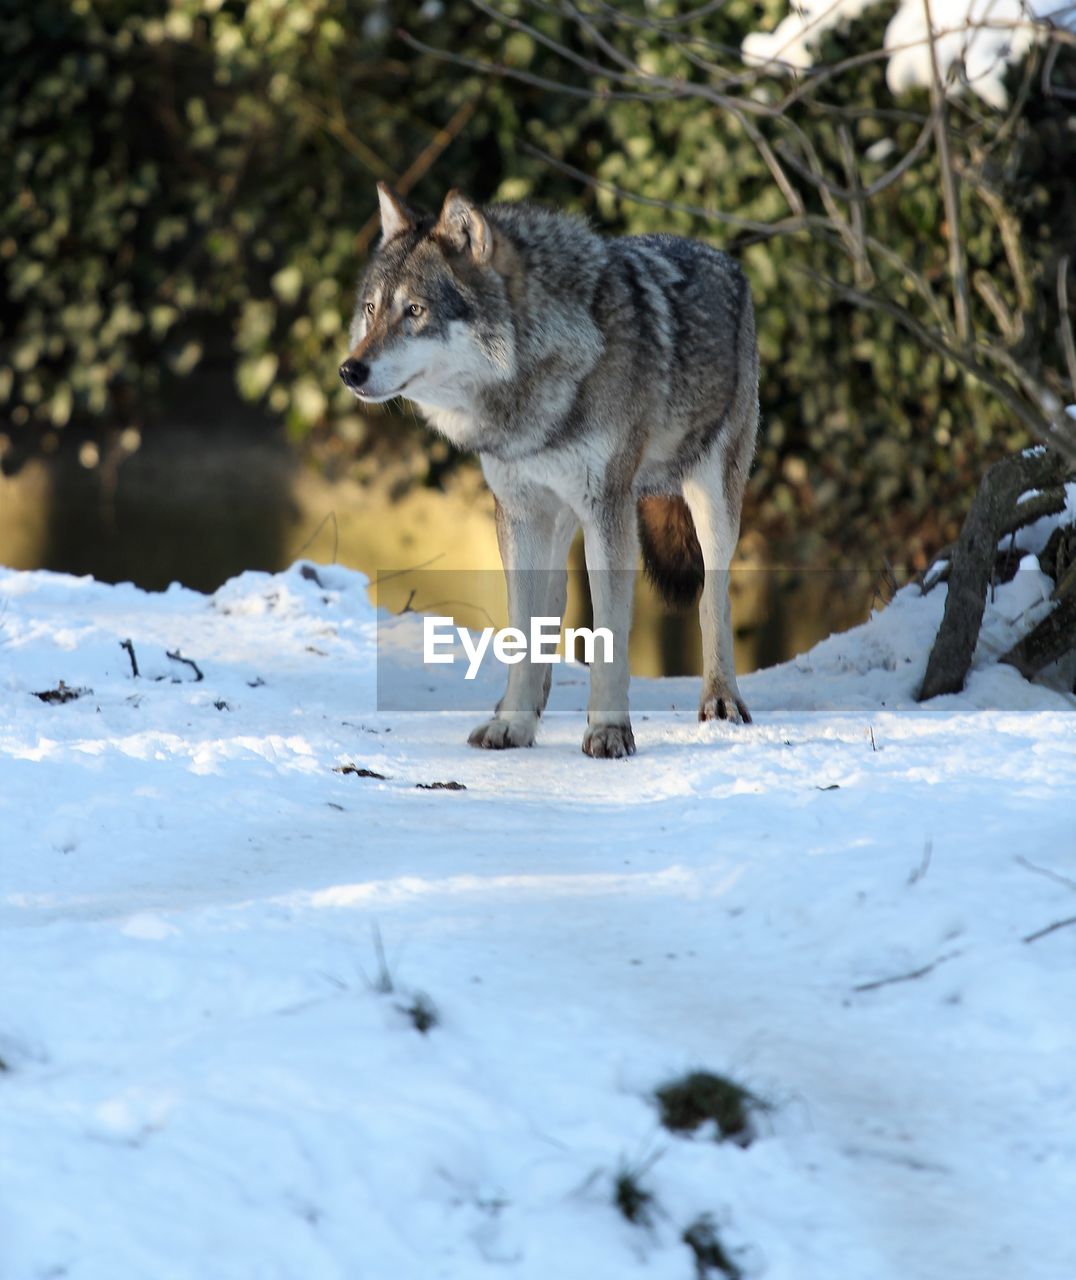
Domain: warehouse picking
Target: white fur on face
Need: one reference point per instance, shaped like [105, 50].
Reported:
[394, 370]
[443, 374]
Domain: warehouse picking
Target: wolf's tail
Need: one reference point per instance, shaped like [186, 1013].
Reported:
[672, 556]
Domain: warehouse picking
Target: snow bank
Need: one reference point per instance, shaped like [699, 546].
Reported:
[985, 35]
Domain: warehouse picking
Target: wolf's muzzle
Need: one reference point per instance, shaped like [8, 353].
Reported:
[354, 373]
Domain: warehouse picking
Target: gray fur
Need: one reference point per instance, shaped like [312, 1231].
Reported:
[588, 373]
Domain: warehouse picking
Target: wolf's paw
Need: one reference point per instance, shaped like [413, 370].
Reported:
[725, 707]
[498, 734]
[609, 741]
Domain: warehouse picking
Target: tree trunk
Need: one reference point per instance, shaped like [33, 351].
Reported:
[972, 564]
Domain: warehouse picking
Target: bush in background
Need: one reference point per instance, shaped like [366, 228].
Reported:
[193, 182]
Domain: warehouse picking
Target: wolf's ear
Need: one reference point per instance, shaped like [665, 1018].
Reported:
[396, 217]
[463, 227]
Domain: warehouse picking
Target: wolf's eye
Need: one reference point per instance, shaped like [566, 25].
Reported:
[415, 309]
[369, 308]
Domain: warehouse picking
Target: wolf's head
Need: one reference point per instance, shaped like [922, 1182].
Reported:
[431, 320]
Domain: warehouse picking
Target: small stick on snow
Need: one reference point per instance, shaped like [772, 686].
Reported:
[942, 562]
[178, 657]
[1050, 928]
[126, 644]
[1046, 871]
[924, 864]
[906, 977]
[384, 982]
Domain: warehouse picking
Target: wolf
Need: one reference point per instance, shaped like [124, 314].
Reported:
[607, 382]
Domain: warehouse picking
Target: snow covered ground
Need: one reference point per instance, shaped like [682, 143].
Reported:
[984, 36]
[204, 1078]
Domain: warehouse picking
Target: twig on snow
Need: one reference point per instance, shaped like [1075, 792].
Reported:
[906, 977]
[126, 644]
[924, 864]
[178, 657]
[384, 983]
[1050, 928]
[1046, 871]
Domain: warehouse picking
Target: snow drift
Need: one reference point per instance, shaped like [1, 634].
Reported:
[214, 944]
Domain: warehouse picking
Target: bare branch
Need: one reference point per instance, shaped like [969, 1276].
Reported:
[863, 194]
[1065, 321]
[1011, 327]
[1050, 928]
[423, 162]
[785, 226]
[178, 657]
[599, 40]
[503, 72]
[129, 646]
[1009, 228]
[678, 20]
[1050, 874]
[1052, 638]
[791, 195]
[914, 974]
[1048, 64]
[813, 171]
[1049, 428]
[950, 198]
[555, 46]
[1047, 502]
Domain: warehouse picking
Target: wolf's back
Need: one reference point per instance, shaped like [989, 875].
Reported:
[695, 338]
[672, 321]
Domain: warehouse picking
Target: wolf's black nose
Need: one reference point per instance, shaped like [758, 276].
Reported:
[354, 373]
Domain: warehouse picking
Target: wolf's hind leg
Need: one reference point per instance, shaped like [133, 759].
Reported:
[716, 513]
[534, 531]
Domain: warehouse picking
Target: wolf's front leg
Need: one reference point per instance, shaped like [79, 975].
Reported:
[611, 544]
[534, 532]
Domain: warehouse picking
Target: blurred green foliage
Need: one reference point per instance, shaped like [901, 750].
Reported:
[193, 179]
[186, 174]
